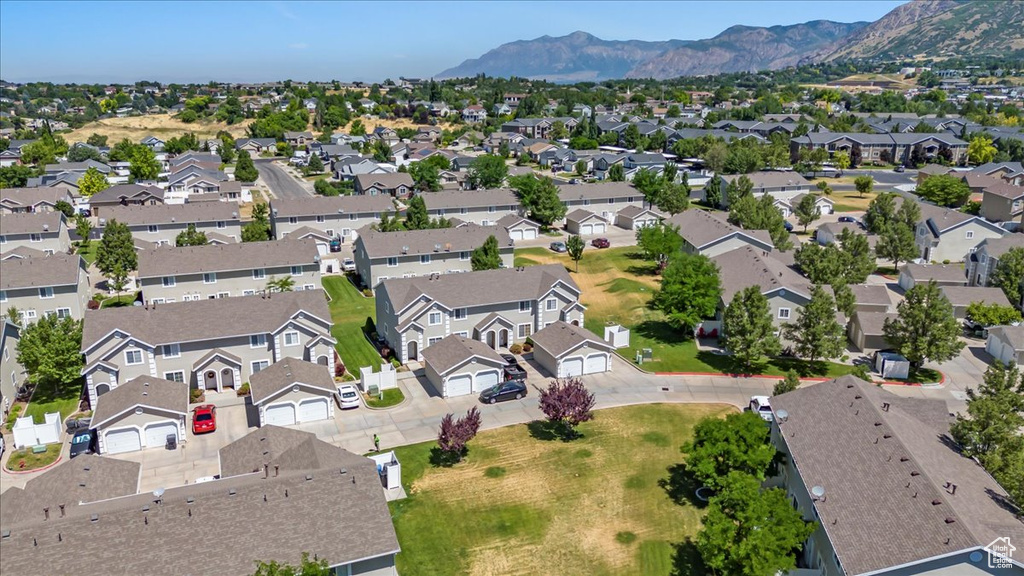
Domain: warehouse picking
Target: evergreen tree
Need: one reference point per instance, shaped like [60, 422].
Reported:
[748, 328]
[245, 170]
[486, 257]
[816, 334]
[788, 384]
[713, 192]
[925, 327]
[416, 217]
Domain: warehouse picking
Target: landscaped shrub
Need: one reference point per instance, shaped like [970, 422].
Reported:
[339, 366]
[196, 395]
[527, 347]
[367, 292]
[93, 305]
[243, 390]
[516, 348]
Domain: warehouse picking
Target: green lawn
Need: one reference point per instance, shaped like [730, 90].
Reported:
[88, 253]
[25, 459]
[47, 399]
[349, 311]
[119, 301]
[617, 287]
[392, 396]
[523, 503]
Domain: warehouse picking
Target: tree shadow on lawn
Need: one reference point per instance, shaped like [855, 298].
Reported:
[441, 459]
[661, 331]
[729, 365]
[682, 487]
[686, 560]
[548, 431]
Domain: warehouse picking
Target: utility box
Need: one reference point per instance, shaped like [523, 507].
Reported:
[617, 335]
[892, 365]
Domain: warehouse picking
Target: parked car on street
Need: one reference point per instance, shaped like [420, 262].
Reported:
[761, 406]
[787, 225]
[899, 168]
[558, 246]
[512, 389]
[849, 219]
[600, 243]
[83, 442]
[204, 419]
[348, 265]
[347, 396]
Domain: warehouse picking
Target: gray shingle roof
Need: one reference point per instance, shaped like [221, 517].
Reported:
[749, 266]
[386, 181]
[315, 509]
[286, 372]
[289, 449]
[169, 261]
[633, 211]
[453, 199]
[330, 205]
[478, 288]
[772, 179]
[1005, 190]
[937, 272]
[35, 272]
[31, 222]
[581, 215]
[561, 337]
[114, 194]
[965, 295]
[463, 238]
[510, 220]
[870, 294]
[996, 247]
[205, 319]
[1012, 334]
[454, 350]
[598, 191]
[872, 323]
[884, 462]
[172, 213]
[141, 391]
[700, 228]
[33, 196]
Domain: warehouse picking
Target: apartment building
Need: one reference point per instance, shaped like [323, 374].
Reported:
[484, 207]
[161, 224]
[604, 199]
[43, 231]
[40, 285]
[335, 216]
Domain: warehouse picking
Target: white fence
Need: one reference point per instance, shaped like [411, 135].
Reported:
[386, 378]
[28, 433]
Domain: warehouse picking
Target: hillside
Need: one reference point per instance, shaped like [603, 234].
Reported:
[576, 57]
[746, 48]
[927, 28]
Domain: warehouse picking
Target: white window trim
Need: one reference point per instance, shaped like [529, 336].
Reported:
[551, 304]
[261, 341]
[788, 313]
[172, 350]
[63, 312]
[169, 281]
[294, 268]
[525, 306]
[970, 234]
[170, 375]
[127, 357]
[254, 363]
[461, 313]
[392, 262]
[524, 330]
[291, 334]
[259, 273]
[46, 292]
[35, 238]
[207, 276]
[424, 258]
[430, 319]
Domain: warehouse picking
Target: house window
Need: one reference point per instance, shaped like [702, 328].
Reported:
[28, 314]
[48, 252]
[3, 239]
[524, 330]
[258, 341]
[330, 232]
[153, 228]
[133, 357]
[221, 224]
[462, 210]
[3, 296]
[35, 238]
[551, 304]
[525, 306]
[392, 261]
[248, 292]
[291, 338]
[259, 274]
[355, 216]
[464, 255]
[293, 220]
[784, 313]
[157, 301]
[169, 281]
[460, 313]
[176, 376]
[296, 270]
[433, 340]
[586, 202]
[434, 318]
[463, 333]
[172, 350]
[63, 312]
[425, 259]
[320, 218]
[970, 234]
[46, 292]
[308, 287]
[259, 365]
[491, 209]
[190, 298]
[210, 278]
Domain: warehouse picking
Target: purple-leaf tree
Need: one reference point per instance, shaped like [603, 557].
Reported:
[567, 403]
[455, 434]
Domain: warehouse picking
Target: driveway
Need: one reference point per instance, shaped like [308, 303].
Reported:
[615, 235]
[282, 184]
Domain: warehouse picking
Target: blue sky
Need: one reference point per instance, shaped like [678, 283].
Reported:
[261, 41]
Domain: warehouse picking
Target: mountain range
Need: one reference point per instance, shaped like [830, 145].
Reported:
[919, 28]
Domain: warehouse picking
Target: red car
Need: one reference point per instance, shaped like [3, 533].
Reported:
[600, 243]
[204, 419]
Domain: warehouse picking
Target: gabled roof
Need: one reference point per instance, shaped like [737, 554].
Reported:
[996, 247]
[966, 295]
[512, 220]
[430, 241]
[1005, 190]
[27, 197]
[939, 219]
[172, 213]
[171, 261]
[41, 271]
[141, 391]
[883, 461]
[873, 323]
[870, 294]
[176, 322]
[633, 211]
[597, 191]
[31, 222]
[330, 205]
[453, 199]
[284, 374]
[477, 288]
[748, 266]
[701, 228]
[581, 215]
[385, 181]
[1014, 335]
[937, 272]
[454, 351]
[115, 194]
[560, 338]
[772, 179]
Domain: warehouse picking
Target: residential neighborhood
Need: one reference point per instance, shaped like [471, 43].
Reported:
[577, 306]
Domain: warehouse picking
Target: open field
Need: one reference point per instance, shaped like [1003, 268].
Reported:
[525, 503]
[851, 201]
[161, 125]
[617, 286]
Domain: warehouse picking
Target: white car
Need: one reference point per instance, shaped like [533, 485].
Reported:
[761, 406]
[348, 396]
[348, 265]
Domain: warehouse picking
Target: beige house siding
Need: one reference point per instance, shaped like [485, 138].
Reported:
[372, 271]
[70, 299]
[166, 233]
[344, 225]
[149, 417]
[12, 374]
[225, 284]
[482, 215]
[955, 243]
[607, 208]
[53, 241]
[998, 208]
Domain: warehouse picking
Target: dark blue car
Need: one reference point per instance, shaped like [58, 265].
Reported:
[83, 442]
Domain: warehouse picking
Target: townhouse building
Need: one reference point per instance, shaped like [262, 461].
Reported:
[42, 199]
[12, 373]
[484, 207]
[786, 290]
[125, 195]
[1002, 202]
[604, 199]
[783, 186]
[334, 216]
[41, 285]
[396, 185]
[497, 307]
[944, 234]
[208, 344]
[984, 259]
[705, 233]
[383, 255]
[190, 273]
[888, 148]
[43, 231]
[161, 224]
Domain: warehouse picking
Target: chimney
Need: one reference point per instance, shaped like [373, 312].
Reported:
[266, 470]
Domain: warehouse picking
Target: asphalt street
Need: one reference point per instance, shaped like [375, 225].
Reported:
[282, 184]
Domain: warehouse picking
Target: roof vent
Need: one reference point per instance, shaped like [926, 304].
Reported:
[950, 520]
[232, 492]
[936, 502]
[94, 518]
[173, 219]
[405, 249]
[309, 477]
[915, 473]
[437, 247]
[46, 227]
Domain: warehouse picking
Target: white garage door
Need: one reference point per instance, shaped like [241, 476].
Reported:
[485, 380]
[586, 229]
[599, 228]
[124, 440]
[515, 234]
[596, 363]
[280, 414]
[460, 385]
[529, 234]
[311, 410]
[156, 434]
[572, 366]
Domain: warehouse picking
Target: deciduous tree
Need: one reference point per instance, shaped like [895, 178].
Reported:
[925, 327]
[307, 567]
[567, 403]
[748, 328]
[1008, 273]
[864, 184]
[83, 228]
[881, 211]
[574, 247]
[788, 384]
[245, 170]
[944, 190]
[738, 443]
[980, 150]
[91, 182]
[816, 334]
[807, 210]
[487, 171]
[117, 248]
[690, 290]
[992, 314]
[50, 349]
[659, 242]
[143, 164]
[616, 173]
[191, 237]
[486, 257]
[454, 435]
